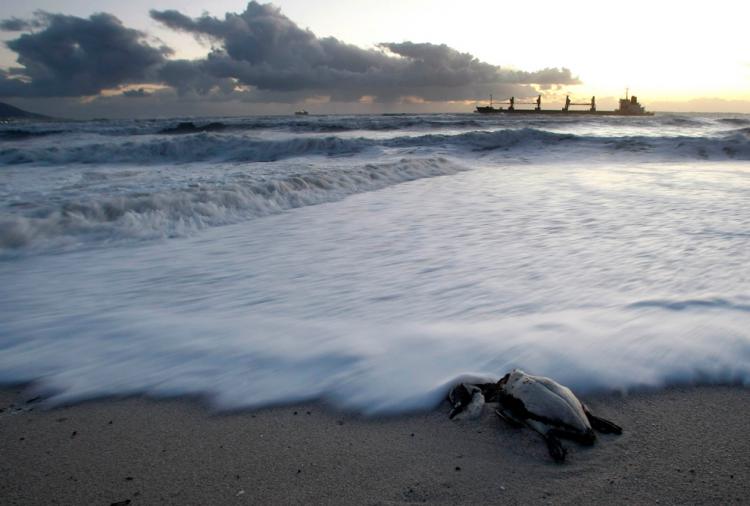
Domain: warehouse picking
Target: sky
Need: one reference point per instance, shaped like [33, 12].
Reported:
[182, 57]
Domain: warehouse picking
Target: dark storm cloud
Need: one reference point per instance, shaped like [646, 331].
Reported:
[19, 25]
[72, 56]
[265, 50]
[258, 55]
[194, 76]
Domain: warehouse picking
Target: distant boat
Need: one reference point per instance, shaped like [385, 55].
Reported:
[629, 106]
[301, 113]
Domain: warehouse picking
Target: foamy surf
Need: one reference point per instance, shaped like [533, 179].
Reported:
[248, 362]
[178, 211]
[373, 268]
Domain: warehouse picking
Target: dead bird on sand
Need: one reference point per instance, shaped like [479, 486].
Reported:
[541, 404]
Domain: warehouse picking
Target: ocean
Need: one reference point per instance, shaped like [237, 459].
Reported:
[372, 261]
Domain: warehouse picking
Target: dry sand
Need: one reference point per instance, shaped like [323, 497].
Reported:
[680, 446]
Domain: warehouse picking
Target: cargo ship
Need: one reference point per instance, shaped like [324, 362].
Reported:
[629, 106]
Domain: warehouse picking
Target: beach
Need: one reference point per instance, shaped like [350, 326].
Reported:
[284, 254]
[173, 299]
[685, 445]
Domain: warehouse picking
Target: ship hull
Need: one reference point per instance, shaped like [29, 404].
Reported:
[492, 110]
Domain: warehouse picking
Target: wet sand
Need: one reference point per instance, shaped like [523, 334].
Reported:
[680, 446]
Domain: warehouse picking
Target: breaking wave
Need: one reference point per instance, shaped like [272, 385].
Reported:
[735, 121]
[16, 134]
[351, 123]
[215, 147]
[680, 121]
[181, 211]
[228, 148]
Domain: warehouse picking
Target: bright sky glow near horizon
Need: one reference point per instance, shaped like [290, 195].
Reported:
[673, 55]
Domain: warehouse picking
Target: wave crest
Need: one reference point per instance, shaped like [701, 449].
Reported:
[179, 212]
[202, 147]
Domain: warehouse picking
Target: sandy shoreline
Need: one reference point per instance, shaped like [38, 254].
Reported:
[680, 446]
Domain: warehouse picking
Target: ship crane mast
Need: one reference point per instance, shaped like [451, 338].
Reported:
[591, 104]
[629, 106]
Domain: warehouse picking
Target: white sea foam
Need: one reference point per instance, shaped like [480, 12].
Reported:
[88, 216]
[239, 362]
[609, 255]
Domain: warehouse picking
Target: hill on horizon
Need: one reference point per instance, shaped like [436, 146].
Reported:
[8, 111]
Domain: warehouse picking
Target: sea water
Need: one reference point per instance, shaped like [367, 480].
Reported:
[371, 261]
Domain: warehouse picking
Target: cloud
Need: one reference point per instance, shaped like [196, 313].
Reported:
[72, 56]
[258, 55]
[136, 93]
[267, 52]
[20, 25]
[194, 76]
